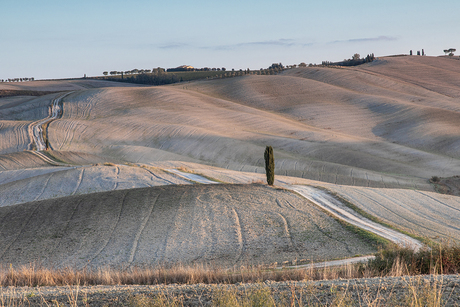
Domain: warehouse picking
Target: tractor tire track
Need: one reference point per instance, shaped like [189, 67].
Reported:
[398, 215]
[156, 176]
[325, 233]
[44, 187]
[80, 179]
[287, 228]
[36, 128]
[64, 231]
[434, 199]
[239, 235]
[21, 231]
[141, 229]
[160, 253]
[101, 249]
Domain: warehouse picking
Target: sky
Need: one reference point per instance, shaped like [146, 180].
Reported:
[48, 39]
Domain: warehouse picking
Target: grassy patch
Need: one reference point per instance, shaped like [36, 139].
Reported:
[371, 238]
[45, 134]
[186, 170]
[11, 93]
[49, 154]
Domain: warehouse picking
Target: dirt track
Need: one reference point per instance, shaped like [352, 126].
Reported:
[36, 129]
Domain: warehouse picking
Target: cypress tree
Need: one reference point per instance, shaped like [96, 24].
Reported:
[269, 165]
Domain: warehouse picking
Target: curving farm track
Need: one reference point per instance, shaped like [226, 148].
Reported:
[36, 128]
[336, 208]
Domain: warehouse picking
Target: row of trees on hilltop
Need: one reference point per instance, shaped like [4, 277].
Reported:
[160, 78]
[190, 68]
[17, 80]
[354, 61]
[134, 71]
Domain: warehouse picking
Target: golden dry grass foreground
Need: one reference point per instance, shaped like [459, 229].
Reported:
[374, 134]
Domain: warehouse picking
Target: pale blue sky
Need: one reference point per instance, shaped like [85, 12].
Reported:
[58, 39]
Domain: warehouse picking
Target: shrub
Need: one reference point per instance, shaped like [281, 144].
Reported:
[442, 259]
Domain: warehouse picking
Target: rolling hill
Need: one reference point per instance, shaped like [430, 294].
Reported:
[374, 134]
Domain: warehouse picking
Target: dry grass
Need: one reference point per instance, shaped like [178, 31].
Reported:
[389, 262]
[410, 291]
[416, 292]
[33, 275]
[443, 259]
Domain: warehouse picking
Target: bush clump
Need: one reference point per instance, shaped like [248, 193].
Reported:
[443, 259]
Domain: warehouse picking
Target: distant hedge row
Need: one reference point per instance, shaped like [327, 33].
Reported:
[150, 79]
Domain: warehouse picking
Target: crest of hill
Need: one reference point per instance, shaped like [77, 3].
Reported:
[217, 224]
[58, 85]
[353, 126]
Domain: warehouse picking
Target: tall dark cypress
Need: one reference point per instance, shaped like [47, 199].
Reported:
[269, 165]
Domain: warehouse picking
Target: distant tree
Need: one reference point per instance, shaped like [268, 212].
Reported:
[269, 165]
[276, 65]
[224, 69]
[356, 57]
[302, 64]
[113, 72]
[370, 58]
[105, 73]
[450, 51]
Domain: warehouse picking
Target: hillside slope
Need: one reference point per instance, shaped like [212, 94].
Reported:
[215, 224]
[373, 125]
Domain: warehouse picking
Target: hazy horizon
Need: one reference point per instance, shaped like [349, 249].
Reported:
[52, 39]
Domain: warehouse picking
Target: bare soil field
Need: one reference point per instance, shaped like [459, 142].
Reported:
[421, 213]
[59, 85]
[26, 185]
[374, 134]
[109, 191]
[358, 126]
[343, 126]
[388, 291]
[221, 225]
